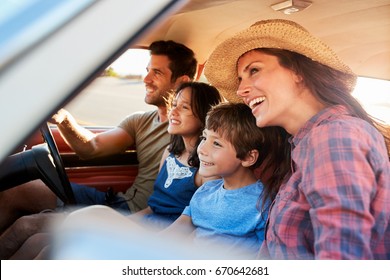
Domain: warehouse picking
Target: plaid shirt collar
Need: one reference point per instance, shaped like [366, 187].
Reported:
[324, 115]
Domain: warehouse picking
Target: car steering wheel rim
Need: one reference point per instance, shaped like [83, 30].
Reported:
[65, 183]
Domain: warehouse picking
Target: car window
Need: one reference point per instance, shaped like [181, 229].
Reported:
[373, 94]
[116, 93]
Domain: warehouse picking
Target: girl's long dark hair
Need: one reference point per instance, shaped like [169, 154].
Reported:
[203, 97]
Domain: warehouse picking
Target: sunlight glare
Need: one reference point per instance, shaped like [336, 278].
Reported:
[374, 95]
[132, 62]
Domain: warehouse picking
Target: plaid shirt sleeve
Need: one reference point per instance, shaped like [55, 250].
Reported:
[339, 185]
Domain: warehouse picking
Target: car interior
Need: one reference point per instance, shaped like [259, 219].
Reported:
[358, 30]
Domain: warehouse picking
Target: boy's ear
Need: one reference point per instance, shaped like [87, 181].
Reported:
[250, 158]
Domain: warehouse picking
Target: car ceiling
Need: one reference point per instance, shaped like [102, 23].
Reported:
[358, 30]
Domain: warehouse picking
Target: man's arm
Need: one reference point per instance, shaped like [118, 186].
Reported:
[87, 144]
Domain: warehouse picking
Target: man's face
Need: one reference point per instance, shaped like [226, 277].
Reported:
[158, 80]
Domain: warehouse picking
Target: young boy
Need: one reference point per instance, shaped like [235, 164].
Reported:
[230, 211]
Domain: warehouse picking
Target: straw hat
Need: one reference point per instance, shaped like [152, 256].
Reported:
[221, 67]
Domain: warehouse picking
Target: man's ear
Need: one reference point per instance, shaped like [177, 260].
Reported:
[250, 158]
[182, 79]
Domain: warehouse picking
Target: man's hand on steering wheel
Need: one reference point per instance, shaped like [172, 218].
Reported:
[64, 191]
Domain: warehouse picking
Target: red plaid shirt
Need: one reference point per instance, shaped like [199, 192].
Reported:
[336, 204]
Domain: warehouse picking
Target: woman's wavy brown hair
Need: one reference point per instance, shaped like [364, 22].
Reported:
[329, 86]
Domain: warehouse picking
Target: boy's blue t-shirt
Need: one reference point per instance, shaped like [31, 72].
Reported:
[229, 217]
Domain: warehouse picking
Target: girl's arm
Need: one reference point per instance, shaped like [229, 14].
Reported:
[163, 157]
[140, 214]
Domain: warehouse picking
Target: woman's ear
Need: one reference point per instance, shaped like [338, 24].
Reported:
[250, 158]
[297, 78]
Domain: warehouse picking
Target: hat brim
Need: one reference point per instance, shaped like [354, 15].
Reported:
[221, 67]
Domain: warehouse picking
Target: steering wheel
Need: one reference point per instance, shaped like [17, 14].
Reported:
[64, 192]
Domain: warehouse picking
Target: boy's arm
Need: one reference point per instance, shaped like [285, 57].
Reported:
[182, 226]
[140, 214]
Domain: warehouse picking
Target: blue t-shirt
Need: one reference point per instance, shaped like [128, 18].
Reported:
[173, 189]
[229, 217]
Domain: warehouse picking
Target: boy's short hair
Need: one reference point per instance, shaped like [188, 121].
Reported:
[182, 59]
[235, 123]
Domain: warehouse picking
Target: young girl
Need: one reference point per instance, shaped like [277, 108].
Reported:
[334, 203]
[178, 177]
[230, 211]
